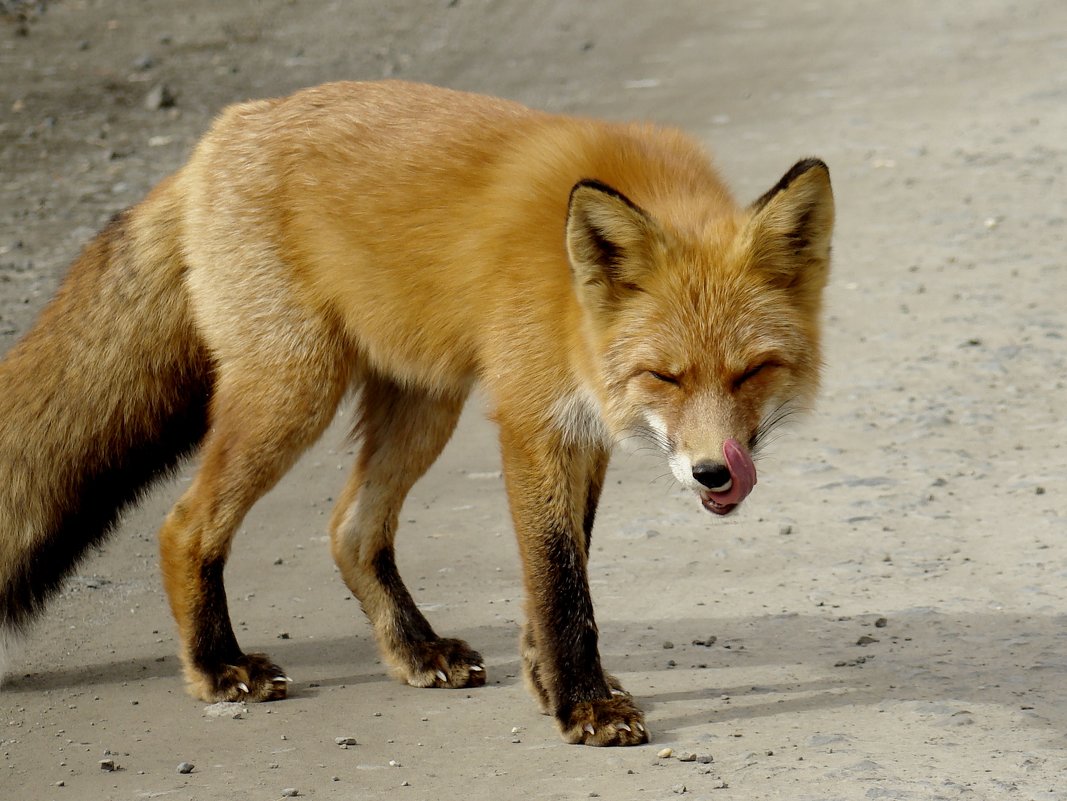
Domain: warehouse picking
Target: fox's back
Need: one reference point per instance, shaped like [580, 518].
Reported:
[429, 219]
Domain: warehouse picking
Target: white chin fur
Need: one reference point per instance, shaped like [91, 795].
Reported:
[679, 463]
[683, 471]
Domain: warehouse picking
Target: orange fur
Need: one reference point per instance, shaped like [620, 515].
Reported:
[594, 278]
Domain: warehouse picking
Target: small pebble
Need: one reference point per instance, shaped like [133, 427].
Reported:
[665, 753]
[866, 639]
[687, 758]
[785, 529]
[405, 783]
[185, 767]
[108, 765]
[225, 709]
[344, 742]
[881, 623]
[159, 97]
[290, 792]
[668, 645]
[679, 789]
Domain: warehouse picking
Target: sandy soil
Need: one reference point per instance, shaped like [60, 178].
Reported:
[888, 612]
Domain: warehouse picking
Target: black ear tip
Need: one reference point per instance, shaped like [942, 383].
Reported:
[594, 184]
[804, 166]
[602, 188]
[597, 186]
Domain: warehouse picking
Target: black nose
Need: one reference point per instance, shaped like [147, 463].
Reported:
[712, 475]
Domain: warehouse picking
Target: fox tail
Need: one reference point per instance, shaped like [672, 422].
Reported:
[104, 395]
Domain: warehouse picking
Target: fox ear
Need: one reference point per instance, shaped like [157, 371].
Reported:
[790, 228]
[609, 240]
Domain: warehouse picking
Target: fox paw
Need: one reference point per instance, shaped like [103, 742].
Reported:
[253, 677]
[535, 680]
[610, 721]
[616, 686]
[444, 663]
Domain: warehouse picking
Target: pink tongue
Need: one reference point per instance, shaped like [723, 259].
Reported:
[742, 474]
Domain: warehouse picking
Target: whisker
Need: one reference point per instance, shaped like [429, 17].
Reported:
[661, 476]
[655, 437]
[768, 428]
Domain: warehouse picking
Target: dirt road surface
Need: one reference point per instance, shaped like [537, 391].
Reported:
[887, 615]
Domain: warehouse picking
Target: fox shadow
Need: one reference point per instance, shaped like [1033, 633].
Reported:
[792, 663]
[799, 663]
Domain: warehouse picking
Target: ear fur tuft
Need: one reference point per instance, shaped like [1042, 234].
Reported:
[791, 226]
[609, 239]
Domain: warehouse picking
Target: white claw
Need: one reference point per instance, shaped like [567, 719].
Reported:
[441, 675]
[640, 728]
[477, 668]
[242, 687]
[617, 692]
[623, 726]
[588, 727]
[282, 678]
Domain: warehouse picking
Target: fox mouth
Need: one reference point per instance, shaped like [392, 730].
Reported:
[724, 499]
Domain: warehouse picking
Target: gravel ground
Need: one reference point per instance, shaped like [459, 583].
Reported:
[887, 616]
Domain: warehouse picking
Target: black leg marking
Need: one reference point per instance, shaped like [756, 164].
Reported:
[592, 500]
[213, 644]
[414, 628]
[569, 635]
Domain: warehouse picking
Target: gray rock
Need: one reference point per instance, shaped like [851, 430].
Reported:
[160, 96]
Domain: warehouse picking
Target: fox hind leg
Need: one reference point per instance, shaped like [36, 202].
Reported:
[262, 418]
[402, 430]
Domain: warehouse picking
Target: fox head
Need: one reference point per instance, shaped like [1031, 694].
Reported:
[707, 334]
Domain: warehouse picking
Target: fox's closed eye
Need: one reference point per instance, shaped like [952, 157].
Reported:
[666, 378]
[752, 372]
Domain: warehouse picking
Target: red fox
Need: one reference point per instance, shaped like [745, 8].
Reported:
[409, 242]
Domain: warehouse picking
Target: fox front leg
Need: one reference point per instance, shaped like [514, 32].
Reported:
[550, 487]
